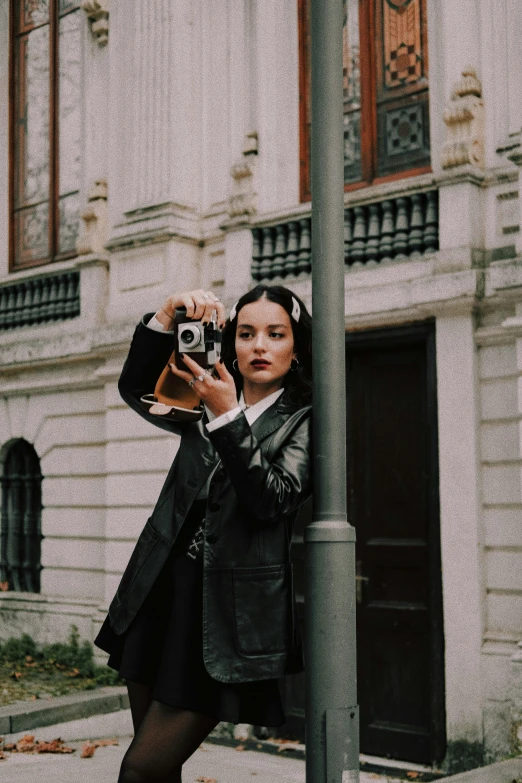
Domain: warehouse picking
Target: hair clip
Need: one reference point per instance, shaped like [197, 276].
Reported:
[296, 310]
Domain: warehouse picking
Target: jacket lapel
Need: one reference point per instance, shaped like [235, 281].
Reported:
[271, 419]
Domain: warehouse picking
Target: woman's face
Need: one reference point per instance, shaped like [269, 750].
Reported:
[264, 344]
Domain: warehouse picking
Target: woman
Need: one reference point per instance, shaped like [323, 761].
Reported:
[203, 621]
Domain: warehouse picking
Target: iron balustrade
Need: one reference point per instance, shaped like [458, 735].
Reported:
[40, 300]
[389, 230]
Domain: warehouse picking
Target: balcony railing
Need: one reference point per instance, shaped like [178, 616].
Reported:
[40, 300]
[388, 230]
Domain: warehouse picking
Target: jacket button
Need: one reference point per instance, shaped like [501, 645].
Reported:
[214, 506]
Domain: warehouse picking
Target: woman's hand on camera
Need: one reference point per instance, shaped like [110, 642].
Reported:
[199, 304]
[219, 394]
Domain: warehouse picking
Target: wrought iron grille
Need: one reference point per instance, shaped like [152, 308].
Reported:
[20, 523]
[388, 230]
[40, 300]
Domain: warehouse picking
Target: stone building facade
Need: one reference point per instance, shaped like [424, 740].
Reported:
[175, 156]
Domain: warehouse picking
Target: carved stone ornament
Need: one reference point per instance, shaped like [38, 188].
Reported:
[98, 14]
[464, 118]
[242, 199]
[93, 228]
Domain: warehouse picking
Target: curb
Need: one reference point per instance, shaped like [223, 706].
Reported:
[24, 715]
[27, 715]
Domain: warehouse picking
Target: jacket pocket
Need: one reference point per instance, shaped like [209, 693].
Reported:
[261, 609]
[145, 546]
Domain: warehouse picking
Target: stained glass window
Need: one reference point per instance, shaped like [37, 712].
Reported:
[45, 130]
[385, 89]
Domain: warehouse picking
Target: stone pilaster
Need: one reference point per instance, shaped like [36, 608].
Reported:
[154, 130]
[514, 326]
[516, 703]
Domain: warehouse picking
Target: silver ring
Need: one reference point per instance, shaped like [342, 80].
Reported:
[192, 382]
[200, 377]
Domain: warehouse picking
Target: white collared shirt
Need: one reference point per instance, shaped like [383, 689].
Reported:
[251, 413]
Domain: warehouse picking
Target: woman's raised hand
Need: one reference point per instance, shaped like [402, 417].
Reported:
[199, 305]
[219, 394]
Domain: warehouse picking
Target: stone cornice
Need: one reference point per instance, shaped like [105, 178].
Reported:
[38, 351]
[156, 224]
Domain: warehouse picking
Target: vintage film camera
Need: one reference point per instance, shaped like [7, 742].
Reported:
[173, 398]
[201, 343]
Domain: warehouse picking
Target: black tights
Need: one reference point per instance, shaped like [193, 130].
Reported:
[164, 738]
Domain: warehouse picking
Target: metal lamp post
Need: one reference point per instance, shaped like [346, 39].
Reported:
[332, 742]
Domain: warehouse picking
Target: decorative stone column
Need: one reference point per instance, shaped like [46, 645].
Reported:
[154, 129]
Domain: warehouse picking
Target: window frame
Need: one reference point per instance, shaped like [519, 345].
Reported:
[53, 151]
[369, 139]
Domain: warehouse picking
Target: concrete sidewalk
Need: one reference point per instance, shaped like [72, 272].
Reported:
[104, 714]
[224, 764]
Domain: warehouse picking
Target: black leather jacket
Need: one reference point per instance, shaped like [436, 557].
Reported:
[250, 628]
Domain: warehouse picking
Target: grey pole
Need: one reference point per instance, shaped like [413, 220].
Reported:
[332, 725]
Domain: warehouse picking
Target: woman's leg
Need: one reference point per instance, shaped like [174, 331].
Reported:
[140, 697]
[166, 738]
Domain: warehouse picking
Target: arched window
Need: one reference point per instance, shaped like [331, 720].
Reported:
[20, 522]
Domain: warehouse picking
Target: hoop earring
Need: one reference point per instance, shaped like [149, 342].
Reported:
[235, 365]
[294, 364]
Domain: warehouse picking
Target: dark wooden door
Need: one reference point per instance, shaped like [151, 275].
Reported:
[392, 490]
[393, 503]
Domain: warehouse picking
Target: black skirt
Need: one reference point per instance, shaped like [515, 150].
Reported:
[163, 647]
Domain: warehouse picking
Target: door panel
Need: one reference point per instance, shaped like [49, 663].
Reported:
[390, 485]
[393, 503]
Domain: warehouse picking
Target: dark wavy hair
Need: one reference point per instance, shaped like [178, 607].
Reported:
[298, 382]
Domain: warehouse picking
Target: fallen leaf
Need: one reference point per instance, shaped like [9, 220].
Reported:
[206, 780]
[16, 675]
[239, 747]
[88, 749]
[412, 775]
[103, 742]
[26, 744]
[73, 673]
[54, 746]
[2, 755]
[4, 586]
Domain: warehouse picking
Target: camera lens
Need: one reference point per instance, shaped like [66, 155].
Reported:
[189, 336]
